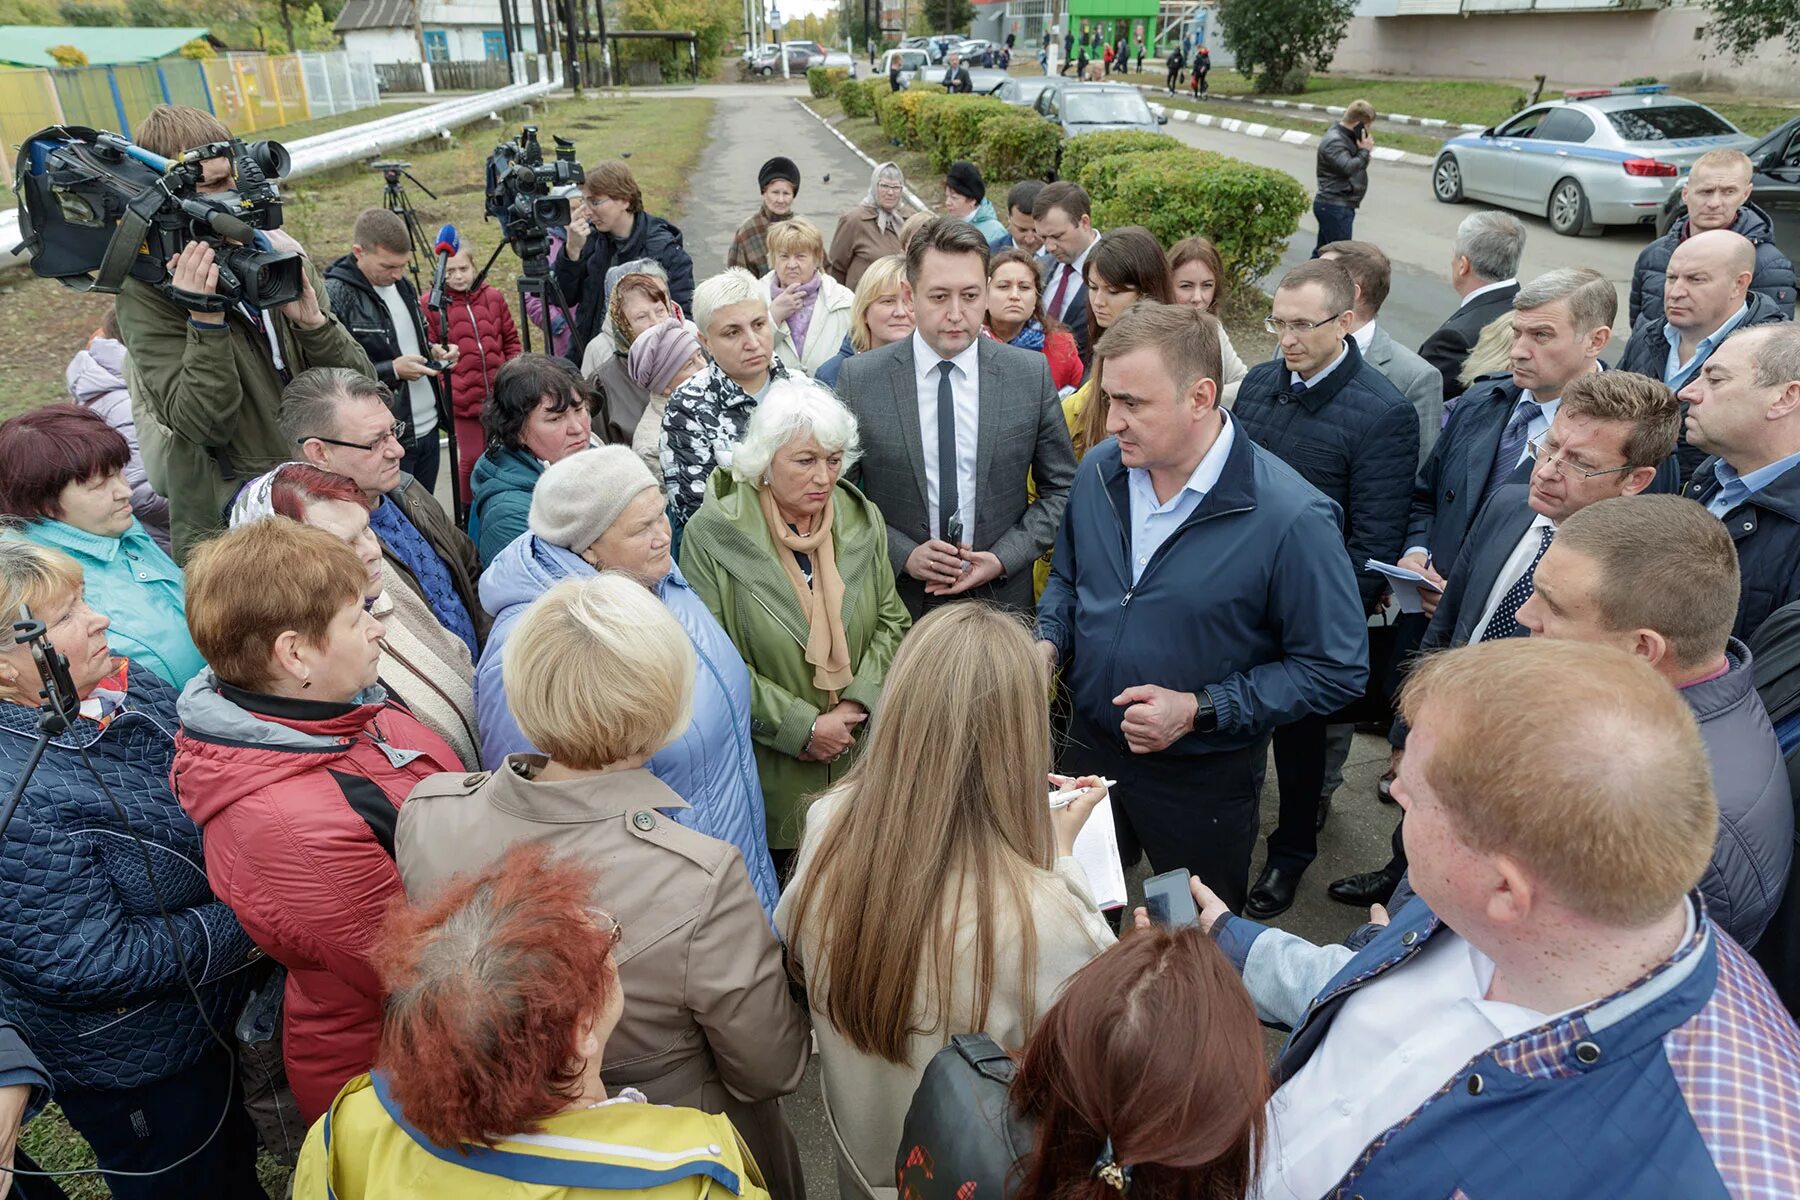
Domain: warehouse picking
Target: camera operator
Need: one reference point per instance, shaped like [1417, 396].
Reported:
[210, 382]
[609, 227]
[380, 307]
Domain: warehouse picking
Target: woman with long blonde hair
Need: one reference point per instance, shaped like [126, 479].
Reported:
[935, 892]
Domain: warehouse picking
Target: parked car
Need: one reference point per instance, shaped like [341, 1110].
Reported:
[911, 62]
[768, 60]
[1099, 108]
[1601, 156]
[985, 80]
[1775, 188]
[972, 49]
[1023, 90]
[933, 53]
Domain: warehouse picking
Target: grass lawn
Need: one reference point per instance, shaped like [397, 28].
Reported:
[1470, 101]
[42, 323]
[1243, 315]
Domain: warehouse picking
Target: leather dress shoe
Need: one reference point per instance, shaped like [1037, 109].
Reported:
[1365, 887]
[1273, 893]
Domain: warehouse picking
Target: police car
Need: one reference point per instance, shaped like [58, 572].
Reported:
[1600, 156]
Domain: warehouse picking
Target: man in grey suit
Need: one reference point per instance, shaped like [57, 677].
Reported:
[1416, 379]
[952, 425]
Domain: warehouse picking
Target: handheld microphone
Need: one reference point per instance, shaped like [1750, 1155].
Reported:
[447, 244]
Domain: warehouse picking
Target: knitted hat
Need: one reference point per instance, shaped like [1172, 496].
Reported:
[778, 168]
[659, 352]
[577, 500]
[964, 177]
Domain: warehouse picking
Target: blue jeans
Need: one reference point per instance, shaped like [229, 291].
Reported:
[1334, 220]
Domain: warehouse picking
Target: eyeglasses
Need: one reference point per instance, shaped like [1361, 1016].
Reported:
[397, 431]
[1561, 464]
[1280, 327]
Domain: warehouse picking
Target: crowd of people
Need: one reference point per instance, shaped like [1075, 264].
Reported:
[755, 702]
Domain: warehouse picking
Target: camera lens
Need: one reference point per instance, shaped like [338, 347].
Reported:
[272, 157]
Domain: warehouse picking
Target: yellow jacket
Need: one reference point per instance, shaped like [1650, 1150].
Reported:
[364, 1149]
[1074, 405]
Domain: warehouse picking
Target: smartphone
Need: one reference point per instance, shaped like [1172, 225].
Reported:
[437, 364]
[1169, 900]
[1361, 131]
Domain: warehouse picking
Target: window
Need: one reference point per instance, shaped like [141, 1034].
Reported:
[1565, 125]
[1666, 122]
[1525, 124]
[437, 46]
[1108, 108]
[493, 45]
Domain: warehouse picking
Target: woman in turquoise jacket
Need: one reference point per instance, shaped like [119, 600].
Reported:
[537, 415]
[62, 485]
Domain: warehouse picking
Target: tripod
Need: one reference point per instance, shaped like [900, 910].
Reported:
[535, 279]
[395, 200]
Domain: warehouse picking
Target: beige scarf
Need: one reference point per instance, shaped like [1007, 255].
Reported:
[823, 601]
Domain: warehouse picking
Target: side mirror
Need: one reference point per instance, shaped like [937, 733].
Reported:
[1162, 118]
[1488, 132]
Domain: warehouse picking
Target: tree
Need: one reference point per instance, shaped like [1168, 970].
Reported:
[1739, 27]
[198, 48]
[68, 56]
[1280, 42]
[941, 16]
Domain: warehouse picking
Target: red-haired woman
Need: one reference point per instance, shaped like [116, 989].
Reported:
[424, 665]
[62, 478]
[1145, 1080]
[501, 993]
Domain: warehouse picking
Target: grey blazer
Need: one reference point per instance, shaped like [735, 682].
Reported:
[1416, 379]
[1020, 436]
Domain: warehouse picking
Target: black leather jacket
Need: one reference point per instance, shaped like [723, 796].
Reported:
[1343, 168]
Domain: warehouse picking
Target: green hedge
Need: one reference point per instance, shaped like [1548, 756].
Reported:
[1100, 176]
[1078, 152]
[900, 113]
[855, 97]
[823, 81]
[959, 129]
[1019, 145]
[1249, 212]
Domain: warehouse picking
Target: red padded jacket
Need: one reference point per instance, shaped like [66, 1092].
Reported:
[297, 801]
[481, 326]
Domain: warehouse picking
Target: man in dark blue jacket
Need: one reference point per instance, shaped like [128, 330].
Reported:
[610, 229]
[1706, 296]
[1744, 409]
[1344, 428]
[1199, 597]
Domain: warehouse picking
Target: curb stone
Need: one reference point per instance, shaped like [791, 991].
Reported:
[1293, 137]
[1337, 110]
[911, 197]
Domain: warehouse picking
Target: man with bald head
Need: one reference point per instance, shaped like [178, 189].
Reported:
[1706, 297]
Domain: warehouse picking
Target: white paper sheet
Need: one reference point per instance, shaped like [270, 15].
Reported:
[1407, 584]
[1097, 850]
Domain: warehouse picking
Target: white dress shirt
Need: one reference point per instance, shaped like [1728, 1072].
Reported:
[1483, 290]
[1295, 382]
[1362, 337]
[965, 391]
[1392, 1045]
[1516, 565]
[1076, 271]
[418, 391]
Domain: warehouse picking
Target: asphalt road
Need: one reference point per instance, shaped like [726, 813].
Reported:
[1403, 217]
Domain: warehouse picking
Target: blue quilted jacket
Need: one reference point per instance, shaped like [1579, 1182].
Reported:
[87, 968]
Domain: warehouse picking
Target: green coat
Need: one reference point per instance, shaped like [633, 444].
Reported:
[208, 400]
[728, 555]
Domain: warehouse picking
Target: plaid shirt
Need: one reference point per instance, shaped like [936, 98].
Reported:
[1686, 1083]
[750, 245]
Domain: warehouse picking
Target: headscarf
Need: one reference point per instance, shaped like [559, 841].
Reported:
[888, 220]
[822, 600]
[659, 352]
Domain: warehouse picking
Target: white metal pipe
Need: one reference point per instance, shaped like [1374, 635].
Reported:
[325, 151]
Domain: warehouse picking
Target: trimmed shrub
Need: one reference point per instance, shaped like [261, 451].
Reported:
[959, 129]
[1100, 176]
[1080, 151]
[823, 81]
[1249, 212]
[855, 97]
[1019, 145]
[904, 126]
[931, 112]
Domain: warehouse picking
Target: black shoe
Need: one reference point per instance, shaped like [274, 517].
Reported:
[1384, 788]
[1273, 893]
[1364, 888]
[1324, 813]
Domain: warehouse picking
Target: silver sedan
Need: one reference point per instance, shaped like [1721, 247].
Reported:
[1608, 156]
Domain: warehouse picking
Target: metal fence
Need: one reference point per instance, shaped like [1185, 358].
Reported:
[462, 75]
[248, 92]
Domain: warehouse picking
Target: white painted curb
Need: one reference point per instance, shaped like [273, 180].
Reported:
[1336, 110]
[912, 197]
[1293, 137]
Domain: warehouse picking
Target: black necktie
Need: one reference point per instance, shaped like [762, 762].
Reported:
[948, 526]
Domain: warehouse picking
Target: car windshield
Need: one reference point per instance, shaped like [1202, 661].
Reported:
[1114, 108]
[1667, 122]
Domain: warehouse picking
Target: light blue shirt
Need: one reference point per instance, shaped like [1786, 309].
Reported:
[1677, 373]
[1734, 489]
[1295, 383]
[1152, 522]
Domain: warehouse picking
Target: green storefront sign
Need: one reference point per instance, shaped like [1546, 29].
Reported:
[1104, 21]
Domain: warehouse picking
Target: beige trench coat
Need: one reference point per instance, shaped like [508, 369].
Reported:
[709, 1022]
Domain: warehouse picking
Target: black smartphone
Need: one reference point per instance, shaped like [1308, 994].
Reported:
[437, 364]
[1361, 130]
[1168, 899]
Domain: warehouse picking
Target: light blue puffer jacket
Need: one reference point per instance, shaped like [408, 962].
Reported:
[711, 764]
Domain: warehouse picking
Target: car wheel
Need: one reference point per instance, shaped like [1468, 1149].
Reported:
[1446, 179]
[1568, 212]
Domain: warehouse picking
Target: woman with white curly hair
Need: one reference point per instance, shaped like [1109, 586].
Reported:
[792, 560]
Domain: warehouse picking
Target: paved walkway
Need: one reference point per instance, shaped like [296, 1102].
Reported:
[753, 123]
